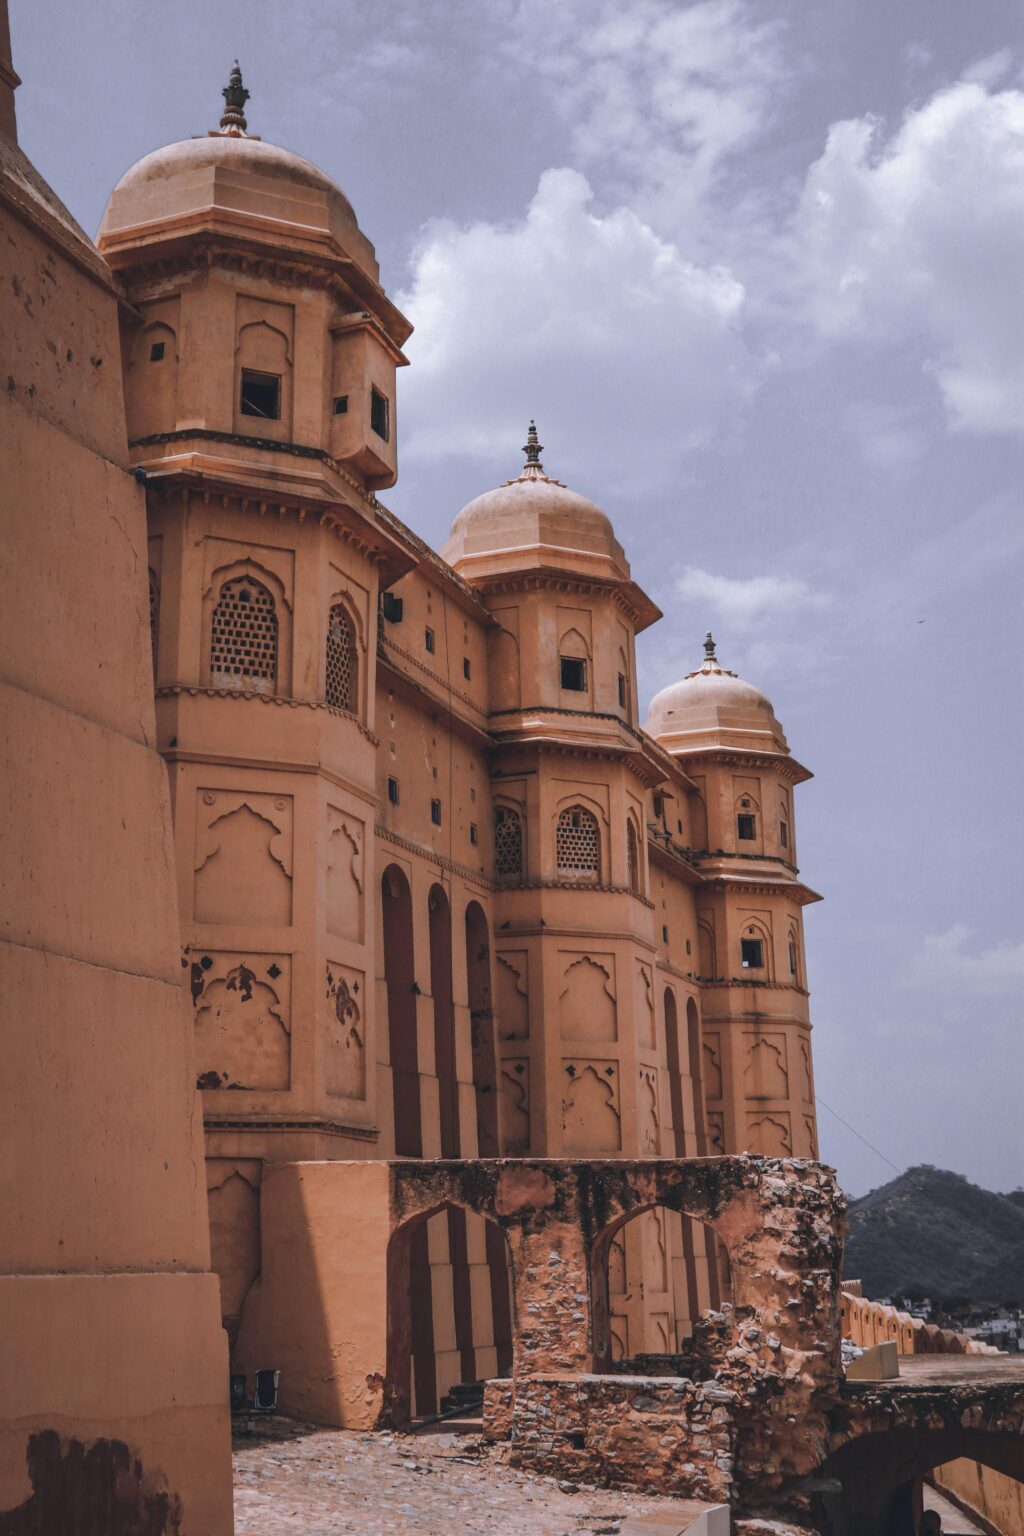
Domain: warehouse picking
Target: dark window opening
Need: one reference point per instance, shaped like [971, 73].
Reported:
[679, 825]
[156, 352]
[435, 812]
[622, 691]
[574, 674]
[752, 954]
[379, 414]
[746, 828]
[428, 640]
[689, 951]
[393, 791]
[745, 804]
[659, 807]
[261, 394]
[391, 607]
[792, 958]
[467, 670]
[664, 934]
[341, 405]
[784, 834]
[474, 836]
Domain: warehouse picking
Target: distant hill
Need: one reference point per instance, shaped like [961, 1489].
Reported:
[933, 1233]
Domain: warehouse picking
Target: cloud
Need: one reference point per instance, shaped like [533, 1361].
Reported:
[745, 601]
[995, 971]
[916, 240]
[626, 353]
[659, 95]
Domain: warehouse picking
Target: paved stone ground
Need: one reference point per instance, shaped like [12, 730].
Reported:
[296, 1480]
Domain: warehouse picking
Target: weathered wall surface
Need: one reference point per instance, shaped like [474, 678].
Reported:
[994, 1496]
[112, 1373]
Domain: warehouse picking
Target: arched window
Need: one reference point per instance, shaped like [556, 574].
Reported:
[342, 690]
[508, 842]
[632, 859]
[154, 615]
[578, 844]
[243, 637]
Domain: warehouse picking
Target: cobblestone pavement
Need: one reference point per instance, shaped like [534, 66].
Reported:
[296, 1480]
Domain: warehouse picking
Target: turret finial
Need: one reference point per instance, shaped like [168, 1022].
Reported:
[533, 448]
[235, 97]
[709, 647]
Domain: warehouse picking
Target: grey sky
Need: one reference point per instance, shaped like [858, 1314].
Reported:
[756, 269]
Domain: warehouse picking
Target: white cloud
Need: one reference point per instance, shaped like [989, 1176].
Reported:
[917, 239]
[746, 601]
[658, 95]
[993, 971]
[626, 353]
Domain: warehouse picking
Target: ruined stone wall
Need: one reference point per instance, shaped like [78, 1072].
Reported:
[669, 1436]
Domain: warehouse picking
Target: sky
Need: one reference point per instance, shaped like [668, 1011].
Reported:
[755, 266]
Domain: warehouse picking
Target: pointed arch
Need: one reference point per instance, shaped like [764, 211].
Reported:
[341, 663]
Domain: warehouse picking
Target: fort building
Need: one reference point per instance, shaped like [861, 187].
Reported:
[442, 893]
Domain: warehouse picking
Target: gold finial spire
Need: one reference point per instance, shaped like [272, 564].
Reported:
[235, 97]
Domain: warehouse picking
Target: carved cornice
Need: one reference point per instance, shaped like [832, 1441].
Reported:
[757, 858]
[473, 876]
[319, 1127]
[562, 583]
[174, 690]
[574, 885]
[747, 981]
[384, 641]
[673, 970]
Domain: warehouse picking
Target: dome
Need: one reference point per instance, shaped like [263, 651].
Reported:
[714, 707]
[235, 184]
[534, 520]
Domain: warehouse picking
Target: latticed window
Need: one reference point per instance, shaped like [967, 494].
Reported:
[243, 637]
[154, 615]
[508, 842]
[578, 844]
[342, 661]
[632, 858]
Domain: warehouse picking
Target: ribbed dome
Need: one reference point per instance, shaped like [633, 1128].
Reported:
[233, 183]
[536, 519]
[713, 706]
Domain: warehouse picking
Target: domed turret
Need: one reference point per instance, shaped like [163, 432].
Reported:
[534, 521]
[231, 182]
[258, 311]
[714, 707]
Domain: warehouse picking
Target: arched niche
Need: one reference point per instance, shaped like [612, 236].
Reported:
[400, 981]
[415, 1313]
[655, 1271]
[481, 1025]
[439, 915]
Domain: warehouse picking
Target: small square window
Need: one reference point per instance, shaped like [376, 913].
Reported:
[156, 352]
[393, 791]
[428, 640]
[746, 828]
[574, 674]
[467, 670]
[784, 834]
[474, 836]
[752, 954]
[435, 812]
[261, 395]
[341, 405]
[622, 691]
[379, 414]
